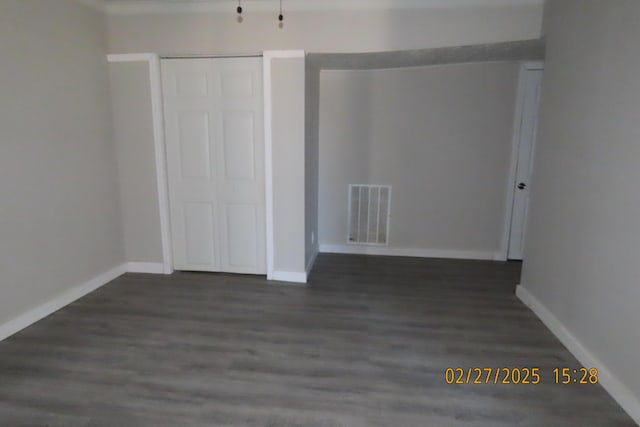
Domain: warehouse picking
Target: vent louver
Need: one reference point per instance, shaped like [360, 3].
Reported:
[369, 207]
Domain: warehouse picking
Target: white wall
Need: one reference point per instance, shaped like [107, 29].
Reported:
[440, 135]
[316, 31]
[288, 77]
[321, 30]
[59, 215]
[581, 258]
[133, 134]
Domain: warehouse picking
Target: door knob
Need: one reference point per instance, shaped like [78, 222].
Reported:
[522, 186]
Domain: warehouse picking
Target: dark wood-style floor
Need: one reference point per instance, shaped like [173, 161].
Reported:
[366, 344]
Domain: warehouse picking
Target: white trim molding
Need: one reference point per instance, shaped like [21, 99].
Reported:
[132, 7]
[411, 252]
[612, 384]
[267, 57]
[43, 310]
[145, 267]
[289, 276]
[159, 148]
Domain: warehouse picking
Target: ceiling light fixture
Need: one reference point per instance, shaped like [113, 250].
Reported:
[239, 10]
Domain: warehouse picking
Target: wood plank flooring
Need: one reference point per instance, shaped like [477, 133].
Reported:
[365, 344]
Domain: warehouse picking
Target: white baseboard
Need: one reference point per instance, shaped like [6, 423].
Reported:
[410, 252]
[289, 276]
[32, 316]
[312, 261]
[620, 393]
[145, 267]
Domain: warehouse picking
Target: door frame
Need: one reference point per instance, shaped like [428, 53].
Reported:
[515, 145]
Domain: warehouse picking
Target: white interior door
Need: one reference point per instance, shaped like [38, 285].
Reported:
[530, 101]
[215, 162]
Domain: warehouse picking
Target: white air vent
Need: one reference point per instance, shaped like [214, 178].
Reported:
[369, 207]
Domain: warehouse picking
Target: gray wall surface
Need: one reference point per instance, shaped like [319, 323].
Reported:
[133, 133]
[322, 30]
[288, 164]
[60, 215]
[440, 135]
[581, 257]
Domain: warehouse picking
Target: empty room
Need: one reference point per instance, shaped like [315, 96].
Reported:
[336, 213]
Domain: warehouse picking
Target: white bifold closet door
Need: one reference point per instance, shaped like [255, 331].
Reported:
[215, 162]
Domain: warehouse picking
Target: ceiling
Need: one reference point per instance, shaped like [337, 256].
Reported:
[229, 6]
[364, 3]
